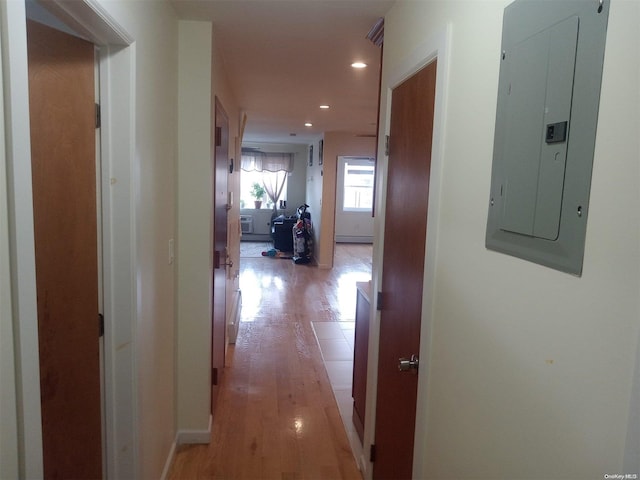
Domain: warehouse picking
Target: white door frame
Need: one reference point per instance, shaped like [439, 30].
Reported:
[8, 392]
[435, 47]
[119, 193]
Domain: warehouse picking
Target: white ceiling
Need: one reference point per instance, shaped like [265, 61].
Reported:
[285, 58]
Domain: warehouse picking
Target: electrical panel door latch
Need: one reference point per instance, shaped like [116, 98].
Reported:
[556, 132]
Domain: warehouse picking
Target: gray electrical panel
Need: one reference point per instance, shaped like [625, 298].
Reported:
[548, 97]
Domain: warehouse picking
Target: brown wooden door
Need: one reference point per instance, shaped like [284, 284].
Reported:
[360, 357]
[62, 111]
[221, 166]
[402, 274]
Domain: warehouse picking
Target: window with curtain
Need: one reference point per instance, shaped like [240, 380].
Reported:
[270, 170]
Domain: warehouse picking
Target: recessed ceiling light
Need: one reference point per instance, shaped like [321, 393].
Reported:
[308, 124]
[358, 65]
[324, 107]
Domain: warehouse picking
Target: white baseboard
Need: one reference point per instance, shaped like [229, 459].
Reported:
[234, 324]
[353, 239]
[169, 462]
[363, 464]
[184, 437]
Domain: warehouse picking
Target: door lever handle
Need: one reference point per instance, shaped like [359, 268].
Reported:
[406, 364]
[216, 260]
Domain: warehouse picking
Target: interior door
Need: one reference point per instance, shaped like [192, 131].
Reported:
[220, 251]
[402, 275]
[62, 113]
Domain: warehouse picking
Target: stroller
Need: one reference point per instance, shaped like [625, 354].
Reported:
[302, 236]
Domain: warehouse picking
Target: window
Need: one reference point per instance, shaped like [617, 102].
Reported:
[247, 179]
[358, 187]
[270, 171]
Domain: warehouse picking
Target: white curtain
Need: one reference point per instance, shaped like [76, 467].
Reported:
[270, 162]
[279, 164]
[274, 184]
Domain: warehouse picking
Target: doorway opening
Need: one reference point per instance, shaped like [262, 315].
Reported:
[354, 200]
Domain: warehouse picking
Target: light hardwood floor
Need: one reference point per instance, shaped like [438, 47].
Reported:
[277, 416]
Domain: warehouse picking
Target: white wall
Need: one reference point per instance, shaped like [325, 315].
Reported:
[261, 224]
[194, 227]
[201, 79]
[529, 369]
[154, 27]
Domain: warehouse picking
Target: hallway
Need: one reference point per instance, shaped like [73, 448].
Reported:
[277, 416]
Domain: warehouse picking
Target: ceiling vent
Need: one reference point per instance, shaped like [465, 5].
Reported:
[376, 34]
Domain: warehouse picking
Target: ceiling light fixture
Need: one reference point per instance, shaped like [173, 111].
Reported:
[358, 65]
[308, 124]
[324, 107]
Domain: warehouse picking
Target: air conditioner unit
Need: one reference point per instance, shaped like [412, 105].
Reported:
[246, 223]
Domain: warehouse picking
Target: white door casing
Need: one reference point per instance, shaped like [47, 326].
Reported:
[436, 46]
[117, 57]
